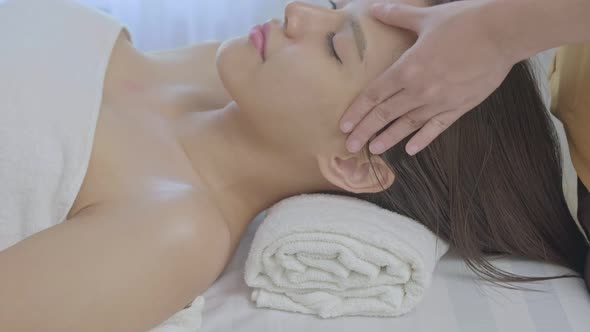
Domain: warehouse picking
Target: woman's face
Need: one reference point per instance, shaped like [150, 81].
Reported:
[315, 63]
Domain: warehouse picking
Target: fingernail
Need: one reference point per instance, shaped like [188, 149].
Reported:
[354, 146]
[377, 148]
[347, 127]
[412, 150]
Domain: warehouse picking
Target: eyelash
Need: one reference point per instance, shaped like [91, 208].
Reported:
[330, 38]
[331, 48]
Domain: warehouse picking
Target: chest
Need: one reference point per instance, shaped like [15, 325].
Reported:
[135, 148]
[133, 151]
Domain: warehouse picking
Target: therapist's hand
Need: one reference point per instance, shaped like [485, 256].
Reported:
[457, 61]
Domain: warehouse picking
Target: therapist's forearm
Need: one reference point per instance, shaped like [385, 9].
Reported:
[528, 27]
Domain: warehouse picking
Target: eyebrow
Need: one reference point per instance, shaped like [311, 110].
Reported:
[359, 36]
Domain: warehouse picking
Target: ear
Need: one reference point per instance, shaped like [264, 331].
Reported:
[353, 172]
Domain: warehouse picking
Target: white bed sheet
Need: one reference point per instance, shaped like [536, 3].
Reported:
[456, 302]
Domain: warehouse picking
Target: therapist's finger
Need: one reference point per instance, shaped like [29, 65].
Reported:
[382, 88]
[401, 128]
[400, 15]
[380, 117]
[431, 130]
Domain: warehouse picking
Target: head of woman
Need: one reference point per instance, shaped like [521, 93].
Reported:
[490, 184]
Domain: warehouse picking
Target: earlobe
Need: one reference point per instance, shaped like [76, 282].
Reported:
[354, 173]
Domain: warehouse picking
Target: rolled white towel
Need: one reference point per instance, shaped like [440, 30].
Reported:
[333, 256]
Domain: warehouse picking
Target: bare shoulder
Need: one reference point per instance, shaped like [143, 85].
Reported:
[138, 261]
[179, 218]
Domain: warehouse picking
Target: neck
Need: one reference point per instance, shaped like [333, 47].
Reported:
[243, 174]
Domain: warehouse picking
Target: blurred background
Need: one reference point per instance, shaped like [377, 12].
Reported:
[160, 24]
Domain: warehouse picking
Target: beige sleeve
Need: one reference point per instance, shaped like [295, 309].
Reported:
[570, 102]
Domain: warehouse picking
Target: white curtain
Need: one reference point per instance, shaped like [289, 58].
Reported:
[161, 24]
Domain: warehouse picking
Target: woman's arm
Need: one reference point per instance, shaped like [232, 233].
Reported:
[109, 271]
[527, 27]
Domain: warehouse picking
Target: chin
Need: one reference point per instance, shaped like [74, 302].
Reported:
[238, 65]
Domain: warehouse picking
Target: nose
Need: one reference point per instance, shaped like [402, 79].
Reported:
[301, 17]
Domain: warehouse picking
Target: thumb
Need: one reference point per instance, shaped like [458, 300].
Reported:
[403, 16]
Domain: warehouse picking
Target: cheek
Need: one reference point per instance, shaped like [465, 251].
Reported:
[302, 101]
[302, 79]
[297, 89]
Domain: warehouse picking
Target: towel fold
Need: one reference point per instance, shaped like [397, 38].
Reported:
[333, 256]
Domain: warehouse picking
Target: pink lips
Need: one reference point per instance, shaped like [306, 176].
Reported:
[258, 36]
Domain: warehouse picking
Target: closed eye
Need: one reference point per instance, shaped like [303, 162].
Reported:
[331, 47]
[330, 39]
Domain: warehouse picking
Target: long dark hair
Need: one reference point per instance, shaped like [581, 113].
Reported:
[491, 184]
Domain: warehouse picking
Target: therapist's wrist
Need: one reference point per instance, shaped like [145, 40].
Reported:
[527, 27]
[512, 27]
